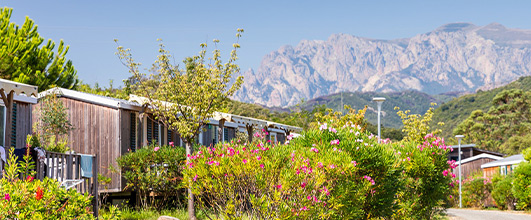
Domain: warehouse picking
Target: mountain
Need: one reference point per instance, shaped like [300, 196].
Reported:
[457, 110]
[459, 57]
[417, 102]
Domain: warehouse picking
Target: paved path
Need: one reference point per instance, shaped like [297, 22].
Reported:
[468, 214]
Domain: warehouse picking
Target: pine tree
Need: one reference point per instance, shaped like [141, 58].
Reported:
[24, 58]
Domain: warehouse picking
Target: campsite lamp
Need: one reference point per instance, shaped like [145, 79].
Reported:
[379, 101]
[459, 137]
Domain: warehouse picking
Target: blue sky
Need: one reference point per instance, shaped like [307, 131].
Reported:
[89, 27]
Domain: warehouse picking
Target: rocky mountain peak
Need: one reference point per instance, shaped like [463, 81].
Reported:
[454, 57]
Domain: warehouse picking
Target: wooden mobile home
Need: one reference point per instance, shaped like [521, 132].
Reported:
[111, 127]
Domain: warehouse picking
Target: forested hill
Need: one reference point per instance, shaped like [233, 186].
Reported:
[457, 110]
[417, 102]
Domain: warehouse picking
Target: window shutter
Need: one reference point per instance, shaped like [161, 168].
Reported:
[14, 126]
[149, 130]
[225, 134]
[155, 132]
[133, 132]
[169, 137]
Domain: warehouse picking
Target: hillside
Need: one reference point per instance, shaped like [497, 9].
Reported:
[457, 110]
[415, 101]
[454, 57]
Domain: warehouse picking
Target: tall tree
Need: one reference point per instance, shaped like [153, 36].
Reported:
[185, 99]
[24, 58]
[504, 127]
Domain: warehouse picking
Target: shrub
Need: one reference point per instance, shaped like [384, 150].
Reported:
[327, 173]
[521, 183]
[475, 191]
[154, 170]
[28, 198]
[426, 178]
[502, 192]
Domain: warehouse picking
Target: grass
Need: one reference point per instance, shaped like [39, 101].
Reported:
[150, 214]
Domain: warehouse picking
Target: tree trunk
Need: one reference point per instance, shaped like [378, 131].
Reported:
[191, 208]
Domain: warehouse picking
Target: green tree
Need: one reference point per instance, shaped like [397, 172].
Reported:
[24, 58]
[504, 126]
[53, 125]
[185, 99]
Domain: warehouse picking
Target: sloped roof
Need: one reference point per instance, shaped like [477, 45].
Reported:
[455, 147]
[92, 98]
[511, 160]
[240, 120]
[480, 156]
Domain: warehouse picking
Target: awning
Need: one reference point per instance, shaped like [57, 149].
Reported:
[18, 88]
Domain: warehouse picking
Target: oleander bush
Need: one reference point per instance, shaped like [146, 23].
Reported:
[23, 197]
[476, 190]
[335, 170]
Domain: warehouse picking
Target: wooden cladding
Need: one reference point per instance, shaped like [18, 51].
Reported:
[96, 131]
[21, 125]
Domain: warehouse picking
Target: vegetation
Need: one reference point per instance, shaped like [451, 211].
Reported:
[23, 197]
[52, 126]
[459, 109]
[336, 170]
[24, 58]
[416, 102]
[504, 127]
[154, 170]
[184, 100]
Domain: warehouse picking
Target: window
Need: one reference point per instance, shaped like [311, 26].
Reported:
[273, 138]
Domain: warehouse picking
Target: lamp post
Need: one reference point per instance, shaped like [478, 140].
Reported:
[459, 137]
[379, 101]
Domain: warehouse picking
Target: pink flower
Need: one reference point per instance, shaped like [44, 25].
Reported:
[171, 143]
[323, 127]
[354, 163]
[309, 198]
[7, 197]
[332, 130]
[258, 157]
[262, 166]
[332, 166]
[320, 165]
[195, 178]
[279, 186]
[315, 150]
[445, 172]
[304, 208]
[244, 161]
[156, 148]
[334, 142]
[303, 184]
[453, 175]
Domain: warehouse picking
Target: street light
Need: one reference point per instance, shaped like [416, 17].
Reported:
[459, 137]
[379, 101]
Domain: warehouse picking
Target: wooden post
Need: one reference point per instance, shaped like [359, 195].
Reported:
[8, 102]
[221, 124]
[249, 132]
[95, 193]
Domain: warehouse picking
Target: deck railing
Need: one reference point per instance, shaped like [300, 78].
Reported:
[66, 169]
